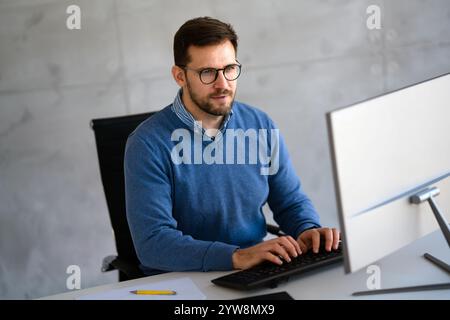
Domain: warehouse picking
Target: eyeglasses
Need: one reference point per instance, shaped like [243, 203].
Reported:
[208, 75]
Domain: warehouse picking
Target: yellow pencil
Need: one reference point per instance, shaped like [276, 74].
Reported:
[154, 292]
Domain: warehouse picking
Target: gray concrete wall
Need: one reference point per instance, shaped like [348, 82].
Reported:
[301, 59]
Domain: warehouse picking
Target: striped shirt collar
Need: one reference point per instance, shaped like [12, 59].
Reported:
[186, 117]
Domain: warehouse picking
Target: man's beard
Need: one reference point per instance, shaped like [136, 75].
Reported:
[207, 106]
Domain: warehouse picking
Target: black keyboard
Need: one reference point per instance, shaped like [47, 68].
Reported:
[270, 274]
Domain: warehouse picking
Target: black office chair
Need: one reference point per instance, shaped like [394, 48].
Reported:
[111, 135]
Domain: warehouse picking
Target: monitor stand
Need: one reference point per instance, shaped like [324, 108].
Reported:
[422, 196]
[427, 195]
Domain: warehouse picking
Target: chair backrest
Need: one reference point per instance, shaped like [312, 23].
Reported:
[111, 135]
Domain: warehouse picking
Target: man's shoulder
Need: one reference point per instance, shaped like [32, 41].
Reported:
[248, 112]
[154, 126]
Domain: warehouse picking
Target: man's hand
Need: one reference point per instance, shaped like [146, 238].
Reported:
[311, 239]
[270, 250]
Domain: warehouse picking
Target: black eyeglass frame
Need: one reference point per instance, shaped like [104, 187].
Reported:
[199, 71]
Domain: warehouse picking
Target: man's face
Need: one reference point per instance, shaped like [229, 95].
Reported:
[215, 98]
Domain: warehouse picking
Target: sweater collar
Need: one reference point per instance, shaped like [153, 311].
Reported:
[186, 117]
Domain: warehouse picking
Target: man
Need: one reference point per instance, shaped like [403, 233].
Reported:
[194, 195]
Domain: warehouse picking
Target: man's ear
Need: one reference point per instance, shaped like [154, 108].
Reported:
[179, 75]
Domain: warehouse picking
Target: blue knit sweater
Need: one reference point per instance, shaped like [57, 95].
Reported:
[189, 211]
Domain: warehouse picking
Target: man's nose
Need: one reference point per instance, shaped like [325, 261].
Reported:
[221, 82]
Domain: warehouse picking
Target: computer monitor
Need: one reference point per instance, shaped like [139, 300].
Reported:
[384, 151]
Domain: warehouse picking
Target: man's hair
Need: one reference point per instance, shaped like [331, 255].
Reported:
[200, 32]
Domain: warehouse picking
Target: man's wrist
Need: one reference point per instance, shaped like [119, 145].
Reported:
[235, 259]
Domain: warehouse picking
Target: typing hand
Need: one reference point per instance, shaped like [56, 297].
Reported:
[311, 239]
[270, 250]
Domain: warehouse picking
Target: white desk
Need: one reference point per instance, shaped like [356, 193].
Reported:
[406, 267]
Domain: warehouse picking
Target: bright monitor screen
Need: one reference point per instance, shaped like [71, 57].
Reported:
[384, 150]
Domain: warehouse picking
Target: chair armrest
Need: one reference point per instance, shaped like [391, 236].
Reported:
[106, 263]
[274, 230]
[130, 269]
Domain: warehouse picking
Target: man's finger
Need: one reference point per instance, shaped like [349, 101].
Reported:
[272, 258]
[295, 244]
[303, 246]
[336, 238]
[315, 237]
[279, 250]
[327, 234]
[289, 246]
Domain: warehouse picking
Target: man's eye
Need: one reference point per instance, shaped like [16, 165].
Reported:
[208, 72]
